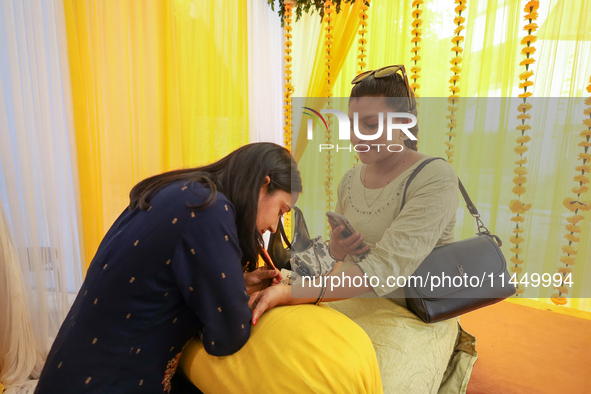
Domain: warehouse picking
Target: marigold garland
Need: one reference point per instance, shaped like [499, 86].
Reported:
[574, 205]
[289, 90]
[362, 41]
[455, 79]
[328, 11]
[516, 206]
[362, 51]
[416, 40]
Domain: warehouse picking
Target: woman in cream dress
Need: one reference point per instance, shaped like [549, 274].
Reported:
[414, 357]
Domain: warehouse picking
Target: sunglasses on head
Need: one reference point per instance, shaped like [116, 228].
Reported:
[385, 72]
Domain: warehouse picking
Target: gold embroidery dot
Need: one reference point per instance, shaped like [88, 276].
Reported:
[174, 321]
[219, 308]
[184, 188]
[192, 214]
[95, 301]
[191, 288]
[223, 275]
[105, 266]
[150, 208]
[226, 237]
[171, 349]
[165, 294]
[88, 380]
[243, 326]
[193, 251]
[174, 220]
[131, 280]
[94, 341]
[168, 261]
[226, 207]
[137, 351]
[141, 382]
[60, 365]
[136, 242]
[212, 342]
[130, 350]
[128, 316]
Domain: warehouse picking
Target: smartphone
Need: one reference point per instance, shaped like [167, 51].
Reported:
[336, 220]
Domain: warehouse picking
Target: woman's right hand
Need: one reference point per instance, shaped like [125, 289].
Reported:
[268, 298]
[341, 247]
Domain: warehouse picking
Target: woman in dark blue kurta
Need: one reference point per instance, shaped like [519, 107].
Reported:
[161, 276]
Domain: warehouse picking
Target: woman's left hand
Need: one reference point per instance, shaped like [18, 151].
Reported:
[261, 278]
[262, 301]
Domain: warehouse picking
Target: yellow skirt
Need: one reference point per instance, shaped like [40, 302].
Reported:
[292, 349]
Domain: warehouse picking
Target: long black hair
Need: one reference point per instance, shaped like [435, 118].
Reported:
[392, 88]
[240, 177]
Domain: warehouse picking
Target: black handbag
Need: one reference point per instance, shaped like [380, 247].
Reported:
[477, 257]
[279, 254]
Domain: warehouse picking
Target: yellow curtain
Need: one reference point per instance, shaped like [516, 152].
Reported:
[156, 86]
[344, 31]
[483, 159]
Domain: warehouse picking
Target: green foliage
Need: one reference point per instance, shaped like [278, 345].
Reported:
[308, 6]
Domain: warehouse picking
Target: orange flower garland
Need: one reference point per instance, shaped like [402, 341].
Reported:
[455, 79]
[362, 40]
[574, 205]
[416, 39]
[362, 51]
[516, 206]
[328, 10]
[289, 89]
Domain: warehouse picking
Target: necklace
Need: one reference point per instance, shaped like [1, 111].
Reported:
[376, 199]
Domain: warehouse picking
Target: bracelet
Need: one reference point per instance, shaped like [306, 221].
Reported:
[327, 243]
[321, 294]
[331, 256]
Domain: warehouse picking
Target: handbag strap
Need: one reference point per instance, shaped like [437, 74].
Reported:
[283, 235]
[469, 204]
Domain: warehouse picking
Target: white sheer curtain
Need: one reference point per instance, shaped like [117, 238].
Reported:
[19, 352]
[266, 66]
[265, 75]
[39, 245]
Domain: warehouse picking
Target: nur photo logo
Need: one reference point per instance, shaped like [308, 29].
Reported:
[344, 128]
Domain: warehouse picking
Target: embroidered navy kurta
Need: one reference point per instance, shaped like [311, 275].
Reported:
[159, 278]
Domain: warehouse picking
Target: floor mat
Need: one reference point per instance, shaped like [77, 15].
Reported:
[526, 350]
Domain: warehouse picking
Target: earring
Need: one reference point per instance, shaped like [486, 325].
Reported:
[403, 136]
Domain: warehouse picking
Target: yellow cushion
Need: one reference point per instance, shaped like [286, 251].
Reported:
[292, 349]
